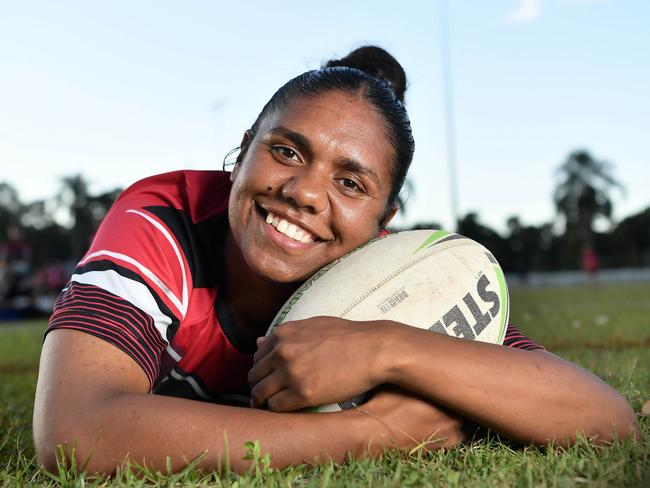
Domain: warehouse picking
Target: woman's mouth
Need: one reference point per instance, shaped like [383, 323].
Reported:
[288, 229]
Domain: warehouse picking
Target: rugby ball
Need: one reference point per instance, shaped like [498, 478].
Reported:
[431, 279]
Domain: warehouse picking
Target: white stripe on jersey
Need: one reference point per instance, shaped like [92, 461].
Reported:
[195, 386]
[143, 269]
[133, 292]
[165, 232]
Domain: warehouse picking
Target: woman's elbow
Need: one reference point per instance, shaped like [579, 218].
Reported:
[624, 424]
[601, 423]
[64, 444]
[51, 443]
[616, 421]
[46, 455]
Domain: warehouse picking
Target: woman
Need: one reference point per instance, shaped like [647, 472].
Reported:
[189, 268]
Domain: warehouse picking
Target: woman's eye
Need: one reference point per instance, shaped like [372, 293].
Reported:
[285, 152]
[350, 185]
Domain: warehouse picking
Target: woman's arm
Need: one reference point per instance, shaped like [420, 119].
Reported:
[94, 397]
[528, 396]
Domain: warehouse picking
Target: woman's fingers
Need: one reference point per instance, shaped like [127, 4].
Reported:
[265, 388]
[284, 401]
[260, 370]
[317, 360]
[271, 393]
[264, 346]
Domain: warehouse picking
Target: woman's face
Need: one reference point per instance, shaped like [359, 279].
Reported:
[312, 186]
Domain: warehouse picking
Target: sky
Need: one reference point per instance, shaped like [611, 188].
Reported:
[121, 90]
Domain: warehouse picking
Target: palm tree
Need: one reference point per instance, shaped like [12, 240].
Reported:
[583, 193]
[85, 210]
[11, 208]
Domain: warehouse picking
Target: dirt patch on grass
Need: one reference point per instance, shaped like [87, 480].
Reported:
[609, 343]
[13, 368]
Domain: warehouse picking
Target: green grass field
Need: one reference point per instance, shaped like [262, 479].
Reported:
[603, 328]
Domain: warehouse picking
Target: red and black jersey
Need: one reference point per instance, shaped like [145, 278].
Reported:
[149, 284]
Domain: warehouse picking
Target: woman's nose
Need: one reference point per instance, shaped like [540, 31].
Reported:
[307, 190]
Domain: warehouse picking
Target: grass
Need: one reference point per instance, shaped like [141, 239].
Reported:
[605, 329]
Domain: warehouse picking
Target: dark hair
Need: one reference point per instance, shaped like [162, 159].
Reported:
[371, 73]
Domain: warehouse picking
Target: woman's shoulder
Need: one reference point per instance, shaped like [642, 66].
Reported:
[200, 193]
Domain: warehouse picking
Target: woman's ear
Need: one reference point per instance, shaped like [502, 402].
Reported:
[389, 216]
[243, 147]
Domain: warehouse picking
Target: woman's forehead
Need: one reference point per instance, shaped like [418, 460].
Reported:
[334, 121]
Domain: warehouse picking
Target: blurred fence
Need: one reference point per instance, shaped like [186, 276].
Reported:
[568, 278]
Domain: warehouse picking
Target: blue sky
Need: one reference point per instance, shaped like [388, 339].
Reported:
[120, 90]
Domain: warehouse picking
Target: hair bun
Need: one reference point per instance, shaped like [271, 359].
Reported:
[376, 62]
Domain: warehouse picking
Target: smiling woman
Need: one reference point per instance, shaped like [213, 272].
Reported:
[330, 179]
[189, 268]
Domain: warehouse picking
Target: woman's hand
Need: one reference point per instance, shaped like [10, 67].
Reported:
[315, 361]
[404, 420]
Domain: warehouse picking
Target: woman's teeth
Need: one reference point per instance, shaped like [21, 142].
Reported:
[288, 229]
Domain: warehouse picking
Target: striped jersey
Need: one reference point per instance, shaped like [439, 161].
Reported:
[149, 285]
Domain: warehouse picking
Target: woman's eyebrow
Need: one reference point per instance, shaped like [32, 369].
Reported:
[296, 137]
[356, 167]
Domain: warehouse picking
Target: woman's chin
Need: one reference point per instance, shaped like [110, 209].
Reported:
[280, 272]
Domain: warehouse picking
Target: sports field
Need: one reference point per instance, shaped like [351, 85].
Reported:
[603, 328]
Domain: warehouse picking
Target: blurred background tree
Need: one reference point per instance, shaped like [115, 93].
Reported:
[53, 233]
[41, 241]
[83, 210]
[582, 194]
[10, 209]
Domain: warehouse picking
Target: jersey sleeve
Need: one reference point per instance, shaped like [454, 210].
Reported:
[514, 338]
[131, 288]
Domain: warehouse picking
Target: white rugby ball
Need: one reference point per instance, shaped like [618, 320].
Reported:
[431, 279]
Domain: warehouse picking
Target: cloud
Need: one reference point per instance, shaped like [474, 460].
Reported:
[527, 11]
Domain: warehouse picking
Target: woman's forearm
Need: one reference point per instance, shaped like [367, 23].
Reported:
[94, 397]
[149, 428]
[528, 396]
